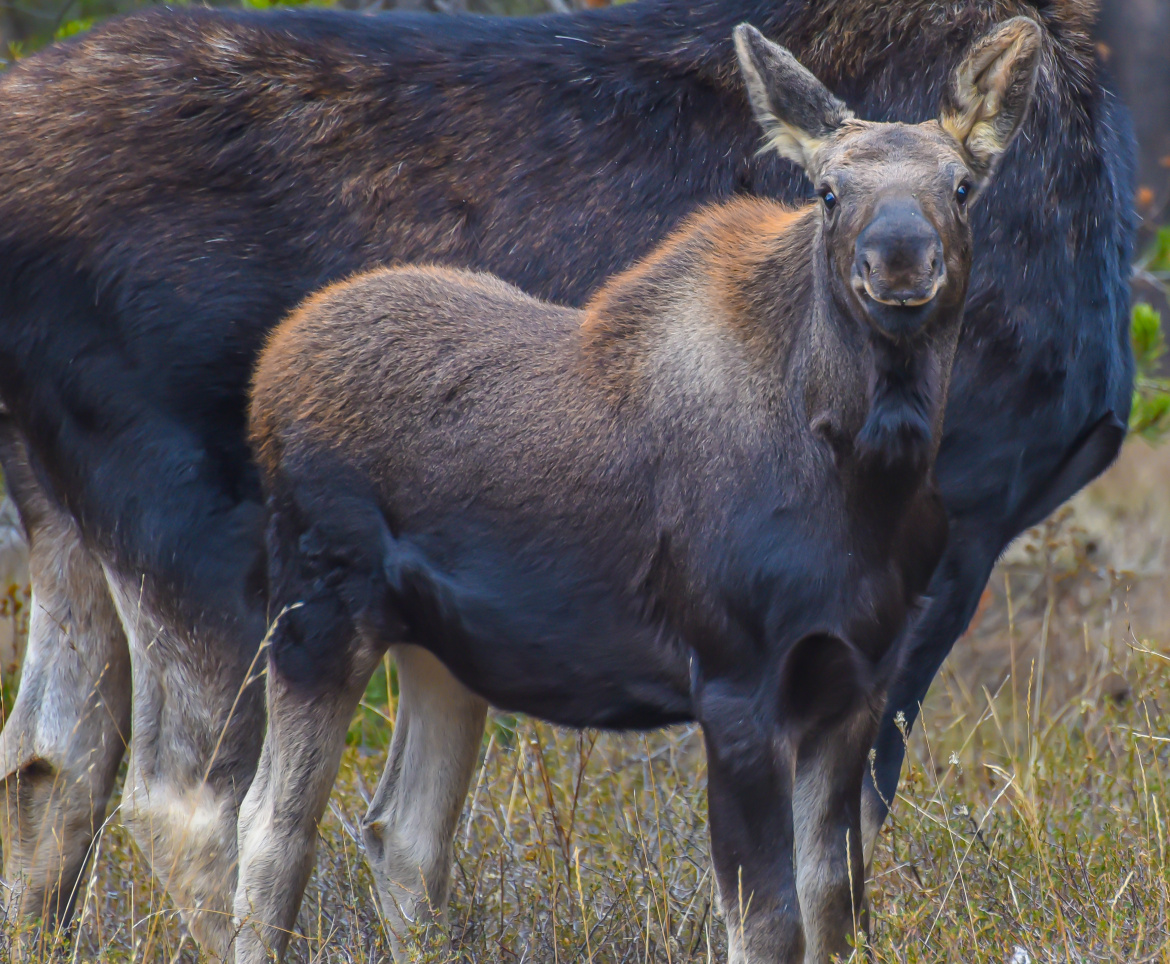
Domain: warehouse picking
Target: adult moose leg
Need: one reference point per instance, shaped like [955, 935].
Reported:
[410, 825]
[951, 602]
[195, 737]
[749, 793]
[66, 732]
[952, 598]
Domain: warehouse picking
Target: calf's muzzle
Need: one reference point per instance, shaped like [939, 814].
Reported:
[898, 267]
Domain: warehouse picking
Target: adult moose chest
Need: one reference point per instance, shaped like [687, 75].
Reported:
[709, 495]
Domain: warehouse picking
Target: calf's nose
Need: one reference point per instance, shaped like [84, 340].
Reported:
[898, 257]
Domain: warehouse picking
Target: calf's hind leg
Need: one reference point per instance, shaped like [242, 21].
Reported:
[318, 668]
[409, 827]
[66, 732]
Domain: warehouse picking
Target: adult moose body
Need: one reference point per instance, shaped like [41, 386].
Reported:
[708, 495]
[172, 183]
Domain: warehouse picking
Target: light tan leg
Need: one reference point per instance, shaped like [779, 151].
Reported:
[196, 737]
[830, 859]
[279, 816]
[67, 730]
[410, 825]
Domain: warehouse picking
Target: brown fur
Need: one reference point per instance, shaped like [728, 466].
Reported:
[175, 181]
[563, 506]
[298, 86]
[848, 38]
[320, 379]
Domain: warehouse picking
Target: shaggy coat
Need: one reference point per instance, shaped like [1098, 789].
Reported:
[586, 471]
[707, 495]
[172, 182]
[627, 516]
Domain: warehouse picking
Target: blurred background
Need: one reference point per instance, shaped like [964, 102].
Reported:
[36, 22]
[1134, 40]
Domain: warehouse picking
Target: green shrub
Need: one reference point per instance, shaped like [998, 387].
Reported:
[1150, 417]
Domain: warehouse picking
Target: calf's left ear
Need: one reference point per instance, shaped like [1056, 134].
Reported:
[989, 93]
[797, 111]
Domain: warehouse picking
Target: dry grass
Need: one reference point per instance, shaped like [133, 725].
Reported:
[1032, 822]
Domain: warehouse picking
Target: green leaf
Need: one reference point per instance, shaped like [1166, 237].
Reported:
[1158, 257]
[1150, 416]
[1145, 333]
[73, 27]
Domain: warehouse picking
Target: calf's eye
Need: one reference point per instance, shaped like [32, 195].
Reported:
[829, 198]
[961, 193]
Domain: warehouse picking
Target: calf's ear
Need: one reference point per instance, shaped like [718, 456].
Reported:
[796, 111]
[989, 93]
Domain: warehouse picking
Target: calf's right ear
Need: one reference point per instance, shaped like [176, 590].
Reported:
[796, 111]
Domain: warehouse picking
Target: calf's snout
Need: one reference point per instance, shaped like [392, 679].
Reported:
[898, 263]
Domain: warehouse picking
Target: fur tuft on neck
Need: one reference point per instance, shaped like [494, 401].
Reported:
[897, 440]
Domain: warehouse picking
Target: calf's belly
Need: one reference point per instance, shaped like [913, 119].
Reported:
[534, 627]
[583, 682]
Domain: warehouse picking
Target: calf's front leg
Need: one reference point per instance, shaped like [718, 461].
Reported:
[749, 792]
[830, 853]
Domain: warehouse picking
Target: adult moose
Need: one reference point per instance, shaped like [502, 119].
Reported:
[172, 183]
[707, 495]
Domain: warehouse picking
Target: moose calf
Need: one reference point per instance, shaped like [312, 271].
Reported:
[708, 495]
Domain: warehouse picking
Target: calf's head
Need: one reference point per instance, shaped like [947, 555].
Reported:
[895, 197]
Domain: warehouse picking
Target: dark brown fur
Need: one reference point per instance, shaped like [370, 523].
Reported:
[594, 462]
[705, 495]
[173, 182]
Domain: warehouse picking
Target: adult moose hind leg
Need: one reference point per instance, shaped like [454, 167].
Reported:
[411, 821]
[197, 727]
[66, 732]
